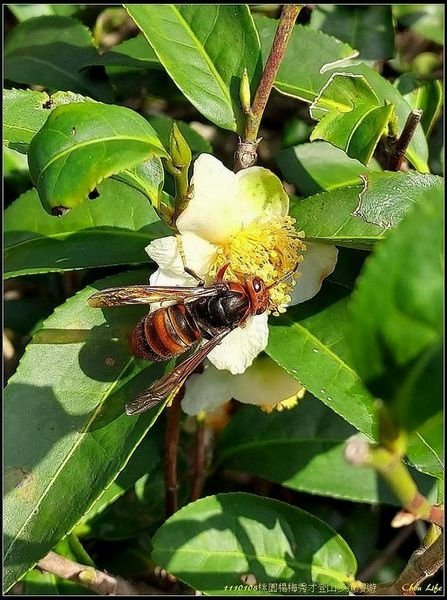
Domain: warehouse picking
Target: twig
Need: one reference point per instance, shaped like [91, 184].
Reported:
[171, 446]
[91, 578]
[387, 553]
[199, 460]
[246, 153]
[423, 563]
[402, 143]
[391, 467]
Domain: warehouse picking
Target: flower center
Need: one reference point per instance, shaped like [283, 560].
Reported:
[269, 248]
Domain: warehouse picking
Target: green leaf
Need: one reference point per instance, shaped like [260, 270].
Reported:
[163, 125]
[237, 543]
[71, 548]
[330, 218]
[147, 178]
[22, 12]
[295, 131]
[54, 52]
[145, 459]
[111, 230]
[83, 143]
[14, 163]
[369, 29]
[135, 52]
[318, 56]
[310, 54]
[426, 447]
[140, 512]
[357, 217]
[424, 95]
[23, 116]
[397, 316]
[118, 515]
[66, 434]
[309, 343]
[350, 116]
[302, 449]
[25, 112]
[417, 151]
[320, 166]
[205, 49]
[387, 196]
[15, 173]
[424, 19]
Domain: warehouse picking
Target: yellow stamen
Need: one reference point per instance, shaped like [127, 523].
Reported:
[269, 248]
[287, 403]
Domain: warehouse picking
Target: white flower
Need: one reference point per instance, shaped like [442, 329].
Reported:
[264, 383]
[242, 220]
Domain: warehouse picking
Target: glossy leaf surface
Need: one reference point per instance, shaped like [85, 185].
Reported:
[25, 112]
[83, 143]
[54, 52]
[309, 57]
[320, 166]
[397, 316]
[359, 216]
[111, 230]
[231, 539]
[319, 57]
[350, 116]
[308, 342]
[205, 50]
[67, 436]
[302, 449]
[368, 29]
[422, 95]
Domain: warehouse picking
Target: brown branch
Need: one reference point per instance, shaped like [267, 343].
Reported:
[246, 153]
[172, 435]
[389, 465]
[199, 460]
[91, 578]
[287, 20]
[423, 563]
[387, 553]
[402, 143]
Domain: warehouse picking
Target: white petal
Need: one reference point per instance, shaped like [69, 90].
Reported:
[213, 212]
[319, 262]
[238, 350]
[198, 253]
[260, 193]
[170, 279]
[206, 391]
[264, 383]
[233, 200]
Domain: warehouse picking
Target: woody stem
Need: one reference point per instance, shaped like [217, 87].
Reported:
[246, 153]
[171, 449]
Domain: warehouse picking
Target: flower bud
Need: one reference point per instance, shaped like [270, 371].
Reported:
[244, 92]
[179, 149]
[87, 576]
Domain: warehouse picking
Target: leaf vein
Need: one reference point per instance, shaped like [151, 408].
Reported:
[95, 413]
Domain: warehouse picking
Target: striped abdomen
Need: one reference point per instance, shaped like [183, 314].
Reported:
[165, 333]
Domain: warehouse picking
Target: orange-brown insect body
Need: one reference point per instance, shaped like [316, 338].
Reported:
[200, 313]
[171, 331]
